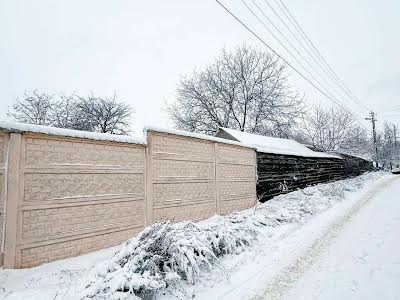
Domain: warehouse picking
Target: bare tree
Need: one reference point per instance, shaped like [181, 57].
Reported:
[34, 108]
[387, 146]
[104, 114]
[101, 114]
[63, 112]
[246, 89]
[334, 129]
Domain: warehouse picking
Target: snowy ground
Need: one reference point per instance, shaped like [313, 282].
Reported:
[331, 241]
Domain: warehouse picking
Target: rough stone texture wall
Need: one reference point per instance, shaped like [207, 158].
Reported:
[192, 179]
[3, 153]
[77, 196]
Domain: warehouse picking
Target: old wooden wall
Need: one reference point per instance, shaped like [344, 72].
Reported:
[354, 166]
[278, 174]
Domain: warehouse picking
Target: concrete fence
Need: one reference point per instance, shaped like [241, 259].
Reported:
[62, 196]
[65, 193]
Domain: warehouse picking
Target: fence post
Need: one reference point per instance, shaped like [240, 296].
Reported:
[12, 198]
[149, 181]
[216, 180]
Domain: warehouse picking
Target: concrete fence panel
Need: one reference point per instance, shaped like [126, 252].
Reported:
[236, 182]
[74, 196]
[181, 179]
[192, 179]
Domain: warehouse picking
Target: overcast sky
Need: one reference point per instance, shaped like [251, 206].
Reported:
[139, 49]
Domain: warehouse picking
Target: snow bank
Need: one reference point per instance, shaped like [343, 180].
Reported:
[195, 135]
[166, 255]
[274, 145]
[23, 127]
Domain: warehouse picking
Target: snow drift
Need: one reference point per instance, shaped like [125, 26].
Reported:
[166, 255]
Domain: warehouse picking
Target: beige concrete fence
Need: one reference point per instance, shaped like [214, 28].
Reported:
[191, 178]
[62, 196]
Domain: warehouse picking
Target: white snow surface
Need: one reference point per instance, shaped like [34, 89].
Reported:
[224, 257]
[274, 145]
[24, 127]
[195, 135]
[363, 261]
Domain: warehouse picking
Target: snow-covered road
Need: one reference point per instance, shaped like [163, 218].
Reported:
[356, 257]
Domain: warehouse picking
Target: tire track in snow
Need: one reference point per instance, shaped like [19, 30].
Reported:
[283, 281]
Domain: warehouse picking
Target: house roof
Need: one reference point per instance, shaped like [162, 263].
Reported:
[274, 145]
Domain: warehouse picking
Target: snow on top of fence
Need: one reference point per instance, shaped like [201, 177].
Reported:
[267, 144]
[196, 136]
[24, 127]
[356, 156]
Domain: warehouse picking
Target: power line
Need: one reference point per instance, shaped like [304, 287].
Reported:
[314, 57]
[283, 59]
[294, 47]
[294, 57]
[290, 17]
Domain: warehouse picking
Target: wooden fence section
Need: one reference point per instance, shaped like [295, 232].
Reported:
[192, 178]
[354, 166]
[279, 174]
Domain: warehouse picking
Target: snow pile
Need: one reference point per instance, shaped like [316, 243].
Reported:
[167, 252]
[165, 255]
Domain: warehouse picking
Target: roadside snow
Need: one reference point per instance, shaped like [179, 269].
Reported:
[187, 259]
[363, 261]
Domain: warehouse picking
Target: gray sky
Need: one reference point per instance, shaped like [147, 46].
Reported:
[139, 49]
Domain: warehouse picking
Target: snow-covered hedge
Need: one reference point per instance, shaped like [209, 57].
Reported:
[166, 254]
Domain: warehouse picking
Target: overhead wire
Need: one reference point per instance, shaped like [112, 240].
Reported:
[307, 62]
[327, 95]
[302, 33]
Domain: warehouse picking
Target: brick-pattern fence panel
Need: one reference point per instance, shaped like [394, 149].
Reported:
[77, 196]
[236, 175]
[192, 179]
[181, 178]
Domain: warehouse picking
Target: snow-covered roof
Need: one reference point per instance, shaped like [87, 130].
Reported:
[195, 135]
[274, 145]
[23, 127]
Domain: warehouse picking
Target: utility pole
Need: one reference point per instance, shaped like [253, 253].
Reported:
[396, 153]
[373, 120]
